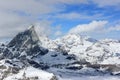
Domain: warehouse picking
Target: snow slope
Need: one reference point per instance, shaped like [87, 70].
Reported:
[32, 74]
[104, 52]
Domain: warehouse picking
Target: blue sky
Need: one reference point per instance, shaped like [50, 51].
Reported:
[95, 18]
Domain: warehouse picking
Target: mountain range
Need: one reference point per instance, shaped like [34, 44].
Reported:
[29, 56]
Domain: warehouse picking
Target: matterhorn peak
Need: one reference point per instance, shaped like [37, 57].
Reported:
[31, 27]
[26, 42]
[25, 38]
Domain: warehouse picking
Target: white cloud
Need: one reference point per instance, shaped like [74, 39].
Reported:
[66, 1]
[72, 15]
[93, 26]
[16, 15]
[80, 16]
[98, 29]
[113, 28]
[103, 3]
[36, 6]
[10, 24]
[44, 28]
[13, 19]
[58, 33]
[30, 7]
[9, 31]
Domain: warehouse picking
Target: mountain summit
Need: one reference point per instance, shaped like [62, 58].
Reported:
[25, 39]
[25, 43]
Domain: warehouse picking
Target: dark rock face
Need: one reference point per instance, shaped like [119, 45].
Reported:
[27, 41]
[5, 53]
[54, 78]
[55, 55]
[24, 47]
[37, 49]
[38, 65]
[62, 50]
[74, 67]
[71, 57]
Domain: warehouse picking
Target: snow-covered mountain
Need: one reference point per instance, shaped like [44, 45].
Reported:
[29, 56]
[105, 51]
[75, 44]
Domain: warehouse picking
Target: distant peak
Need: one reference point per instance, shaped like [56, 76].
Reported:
[31, 27]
